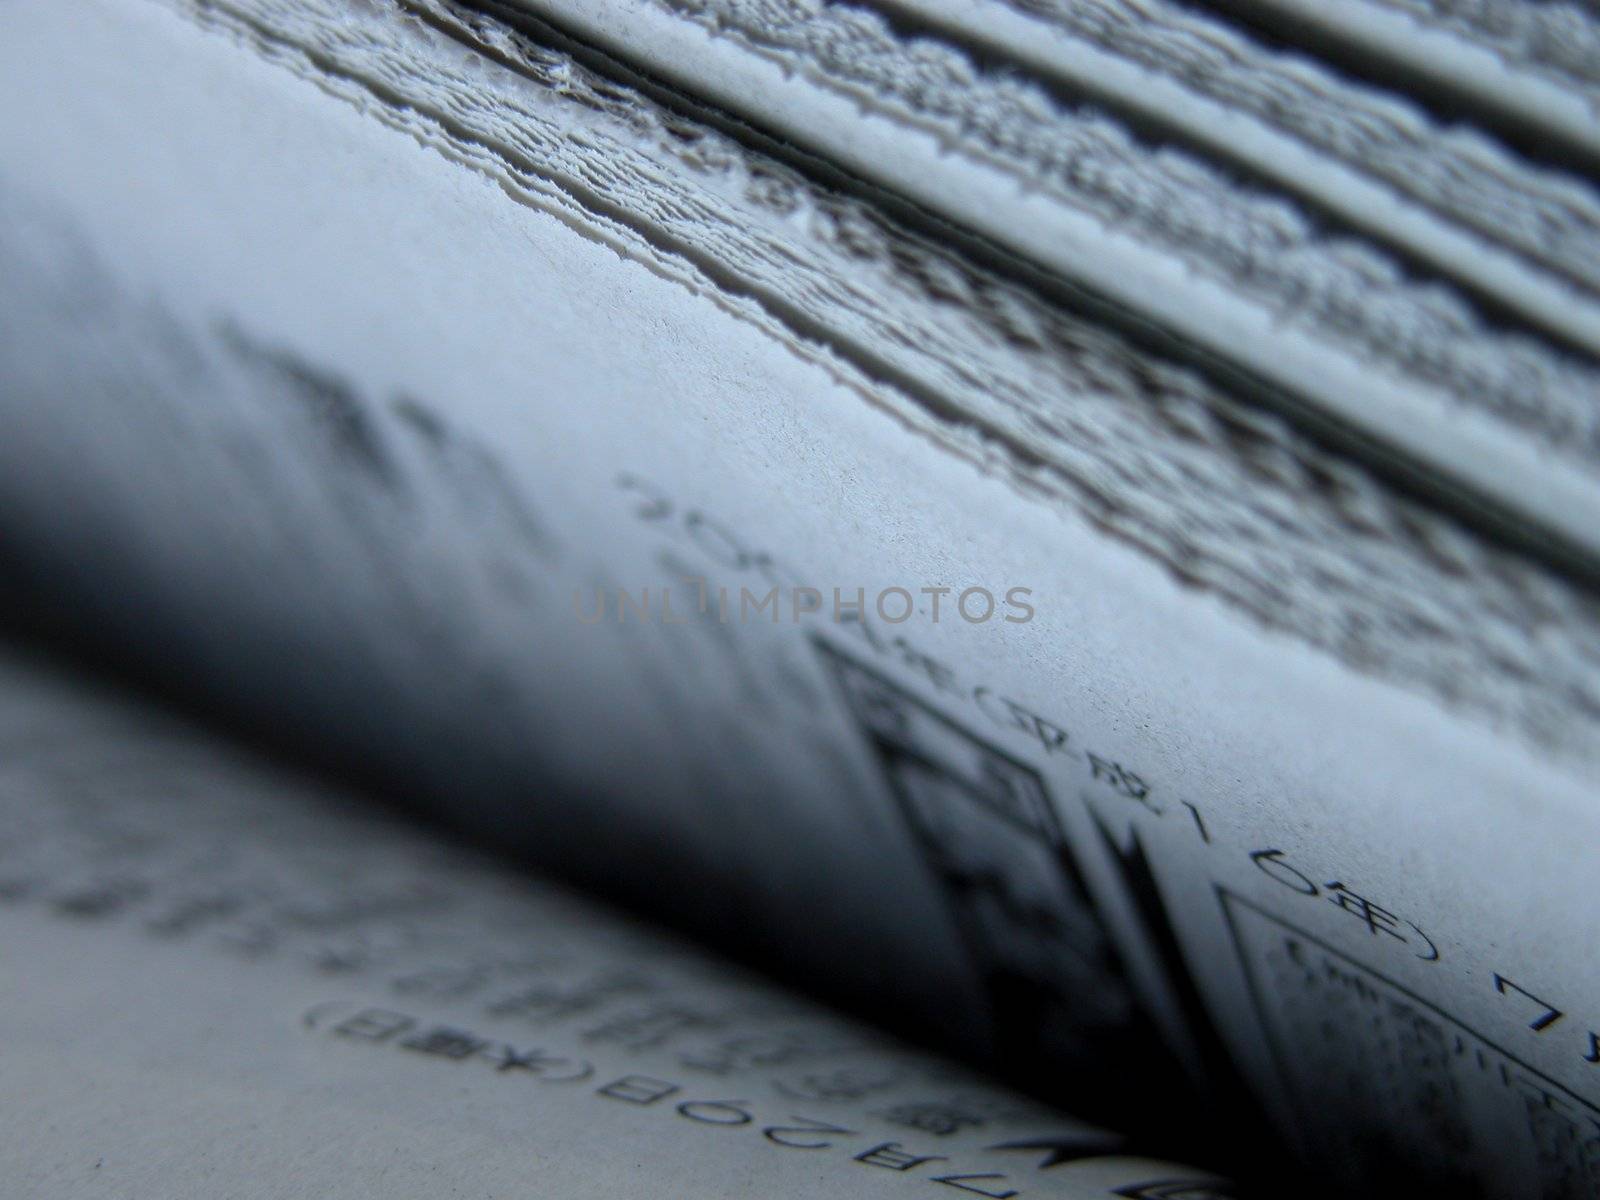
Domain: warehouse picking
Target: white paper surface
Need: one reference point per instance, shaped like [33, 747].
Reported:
[517, 415]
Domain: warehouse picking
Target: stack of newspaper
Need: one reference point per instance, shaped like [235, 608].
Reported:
[1064, 534]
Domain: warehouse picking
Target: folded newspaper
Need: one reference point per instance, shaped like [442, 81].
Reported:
[1061, 536]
